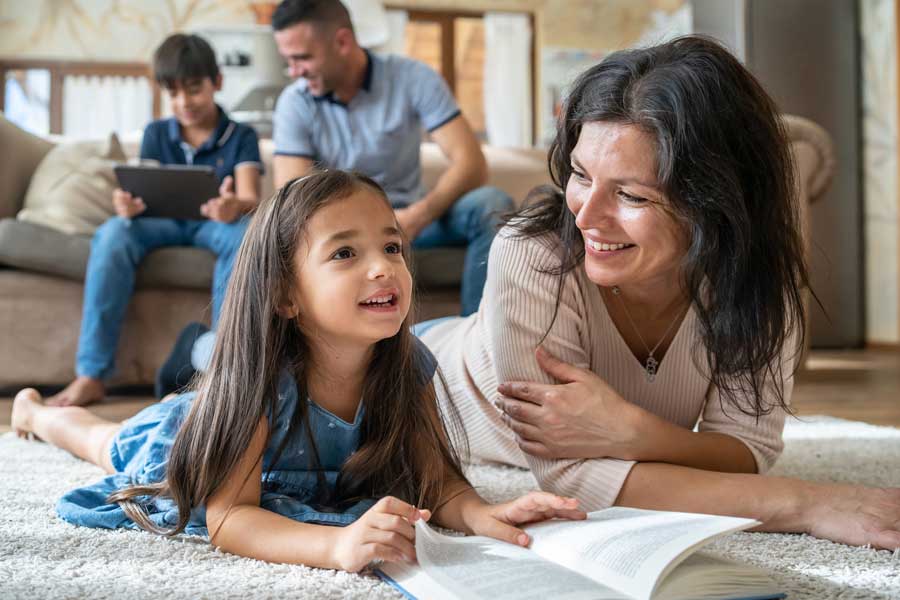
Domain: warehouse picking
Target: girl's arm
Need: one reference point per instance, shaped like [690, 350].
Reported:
[238, 525]
[464, 510]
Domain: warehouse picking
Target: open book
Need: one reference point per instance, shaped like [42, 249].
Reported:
[617, 553]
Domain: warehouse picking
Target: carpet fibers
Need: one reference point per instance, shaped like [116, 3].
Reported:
[43, 557]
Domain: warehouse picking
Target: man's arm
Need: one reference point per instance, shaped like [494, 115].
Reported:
[286, 168]
[467, 171]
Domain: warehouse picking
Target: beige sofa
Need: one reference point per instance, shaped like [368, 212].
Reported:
[41, 270]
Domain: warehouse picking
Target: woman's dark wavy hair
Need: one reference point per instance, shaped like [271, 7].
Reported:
[724, 164]
[405, 448]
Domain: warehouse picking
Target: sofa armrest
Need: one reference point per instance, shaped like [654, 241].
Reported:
[17, 167]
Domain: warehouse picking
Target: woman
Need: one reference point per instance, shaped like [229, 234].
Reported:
[657, 285]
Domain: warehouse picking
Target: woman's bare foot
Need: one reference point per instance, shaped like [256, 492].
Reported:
[81, 392]
[24, 405]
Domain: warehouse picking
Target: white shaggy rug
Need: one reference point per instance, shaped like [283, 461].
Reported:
[43, 557]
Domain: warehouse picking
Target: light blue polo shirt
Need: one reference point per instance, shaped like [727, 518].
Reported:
[378, 133]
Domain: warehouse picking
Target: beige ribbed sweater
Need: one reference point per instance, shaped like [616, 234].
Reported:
[497, 344]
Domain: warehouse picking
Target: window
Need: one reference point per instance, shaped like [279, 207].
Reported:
[453, 44]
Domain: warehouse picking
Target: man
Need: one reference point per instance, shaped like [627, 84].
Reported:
[354, 110]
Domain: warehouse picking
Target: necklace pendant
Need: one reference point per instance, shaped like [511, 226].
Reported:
[650, 365]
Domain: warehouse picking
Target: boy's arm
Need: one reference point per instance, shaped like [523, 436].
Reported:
[246, 186]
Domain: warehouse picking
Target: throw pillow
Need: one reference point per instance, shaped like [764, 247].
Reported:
[71, 189]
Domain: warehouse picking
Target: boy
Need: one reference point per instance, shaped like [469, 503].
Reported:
[200, 133]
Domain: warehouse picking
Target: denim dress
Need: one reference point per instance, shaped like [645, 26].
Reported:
[290, 482]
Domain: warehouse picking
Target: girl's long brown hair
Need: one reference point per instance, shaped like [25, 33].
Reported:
[404, 443]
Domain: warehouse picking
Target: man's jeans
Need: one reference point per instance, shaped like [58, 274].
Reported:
[472, 221]
[118, 247]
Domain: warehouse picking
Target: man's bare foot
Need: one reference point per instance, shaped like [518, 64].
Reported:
[81, 392]
[24, 405]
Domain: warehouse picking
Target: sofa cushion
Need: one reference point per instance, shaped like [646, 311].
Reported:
[41, 249]
[36, 248]
[17, 167]
[71, 190]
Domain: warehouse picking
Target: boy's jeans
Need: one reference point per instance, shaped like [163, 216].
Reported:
[472, 221]
[118, 247]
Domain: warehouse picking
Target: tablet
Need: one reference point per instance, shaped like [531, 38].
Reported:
[172, 191]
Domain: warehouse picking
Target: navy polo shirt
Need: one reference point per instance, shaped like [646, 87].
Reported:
[230, 145]
[377, 133]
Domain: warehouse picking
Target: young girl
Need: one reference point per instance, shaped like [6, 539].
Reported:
[317, 401]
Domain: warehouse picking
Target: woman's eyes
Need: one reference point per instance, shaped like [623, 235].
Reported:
[393, 248]
[631, 199]
[578, 175]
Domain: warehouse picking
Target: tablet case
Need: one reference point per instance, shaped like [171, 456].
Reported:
[170, 191]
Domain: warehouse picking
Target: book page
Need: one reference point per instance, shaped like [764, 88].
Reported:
[480, 567]
[628, 549]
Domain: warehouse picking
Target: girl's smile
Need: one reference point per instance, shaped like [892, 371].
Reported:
[382, 301]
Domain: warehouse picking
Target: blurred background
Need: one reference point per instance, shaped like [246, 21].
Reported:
[79, 69]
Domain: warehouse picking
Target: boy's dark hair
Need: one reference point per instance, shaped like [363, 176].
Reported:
[329, 13]
[182, 57]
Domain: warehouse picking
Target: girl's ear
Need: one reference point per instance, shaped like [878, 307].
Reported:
[288, 310]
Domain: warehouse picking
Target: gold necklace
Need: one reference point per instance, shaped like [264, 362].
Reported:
[651, 365]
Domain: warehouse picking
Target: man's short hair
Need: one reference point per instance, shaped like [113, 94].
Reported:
[182, 57]
[322, 14]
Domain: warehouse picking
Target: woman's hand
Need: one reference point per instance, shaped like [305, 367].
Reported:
[385, 532]
[583, 417]
[500, 521]
[854, 515]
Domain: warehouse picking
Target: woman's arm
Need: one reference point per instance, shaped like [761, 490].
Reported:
[583, 417]
[848, 514]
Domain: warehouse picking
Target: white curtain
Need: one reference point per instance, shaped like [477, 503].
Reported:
[396, 42]
[507, 79]
[95, 106]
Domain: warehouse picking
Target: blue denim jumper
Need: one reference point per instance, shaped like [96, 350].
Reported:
[290, 482]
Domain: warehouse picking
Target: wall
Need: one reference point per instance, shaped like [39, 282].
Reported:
[129, 30]
[108, 30]
[878, 22]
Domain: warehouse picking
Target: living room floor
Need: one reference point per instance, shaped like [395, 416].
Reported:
[861, 385]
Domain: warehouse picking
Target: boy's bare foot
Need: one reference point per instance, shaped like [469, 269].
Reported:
[81, 392]
[24, 404]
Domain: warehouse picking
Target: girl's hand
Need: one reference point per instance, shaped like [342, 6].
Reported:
[499, 521]
[384, 532]
[854, 515]
[126, 205]
[583, 417]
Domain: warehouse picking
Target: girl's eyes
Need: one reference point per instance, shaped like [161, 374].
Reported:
[343, 254]
[347, 252]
